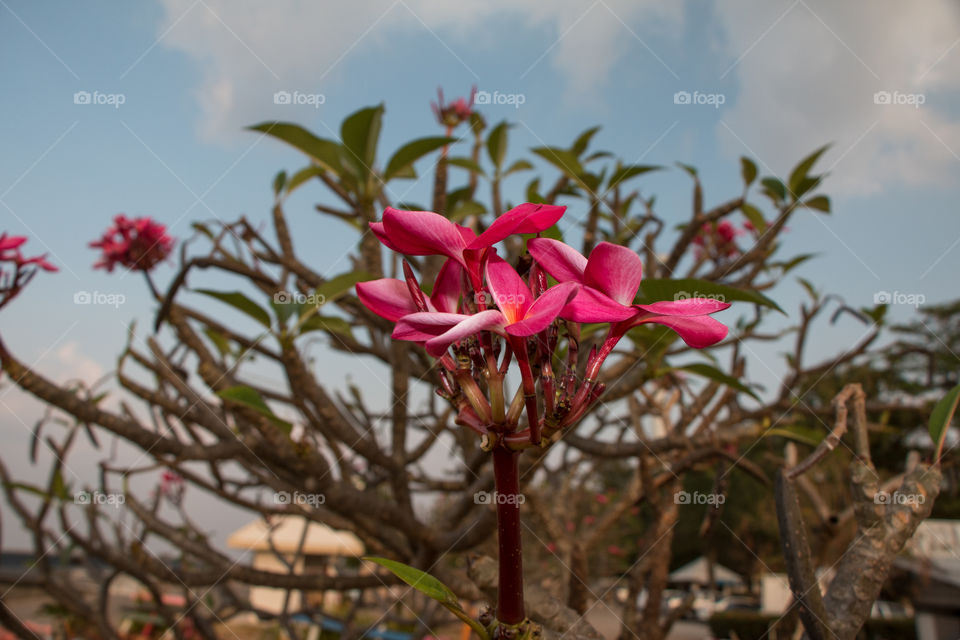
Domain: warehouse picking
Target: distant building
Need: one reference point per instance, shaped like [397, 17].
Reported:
[931, 560]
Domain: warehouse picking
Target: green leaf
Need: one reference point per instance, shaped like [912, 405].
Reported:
[583, 141]
[626, 172]
[340, 285]
[654, 289]
[250, 398]
[467, 208]
[360, 133]
[325, 152]
[533, 191]
[707, 371]
[756, 218]
[219, 341]
[775, 189]
[748, 169]
[409, 153]
[564, 160]
[497, 144]
[278, 182]
[330, 324]
[791, 264]
[59, 488]
[820, 203]
[799, 173]
[688, 168]
[419, 580]
[20, 486]
[241, 302]
[811, 290]
[519, 165]
[466, 163]
[941, 417]
[804, 435]
[302, 176]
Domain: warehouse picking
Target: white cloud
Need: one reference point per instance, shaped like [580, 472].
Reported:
[811, 78]
[247, 51]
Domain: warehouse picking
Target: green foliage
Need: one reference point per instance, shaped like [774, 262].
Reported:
[251, 398]
[941, 417]
[241, 302]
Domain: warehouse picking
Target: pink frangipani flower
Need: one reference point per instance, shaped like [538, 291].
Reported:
[138, 244]
[392, 299]
[611, 278]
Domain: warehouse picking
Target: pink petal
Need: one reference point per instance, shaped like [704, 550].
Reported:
[592, 306]
[381, 233]
[614, 270]
[423, 325]
[11, 242]
[561, 261]
[696, 331]
[526, 218]
[489, 319]
[508, 289]
[687, 307]
[422, 233]
[544, 310]
[387, 297]
[446, 289]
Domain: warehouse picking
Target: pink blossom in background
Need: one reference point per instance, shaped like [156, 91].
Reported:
[452, 114]
[16, 270]
[138, 244]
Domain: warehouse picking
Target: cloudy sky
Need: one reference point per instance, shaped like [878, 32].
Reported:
[173, 83]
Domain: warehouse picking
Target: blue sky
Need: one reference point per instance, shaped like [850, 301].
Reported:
[192, 73]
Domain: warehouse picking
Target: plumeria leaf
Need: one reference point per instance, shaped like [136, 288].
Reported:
[250, 398]
[466, 163]
[799, 173]
[621, 174]
[775, 189]
[497, 144]
[564, 160]
[708, 371]
[756, 218]
[655, 289]
[519, 165]
[801, 434]
[278, 182]
[219, 341]
[748, 169]
[302, 176]
[466, 208]
[241, 302]
[360, 133]
[941, 417]
[583, 141]
[419, 580]
[331, 324]
[820, 203]
[533, 191]
[409, 153]
[338, 286]
[325, 152]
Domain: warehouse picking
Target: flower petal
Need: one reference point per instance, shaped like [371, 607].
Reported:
[387, 297]
[591, 305]
[696, 331]
[381, 233]
[614, 270]
[422, 233]
[509, 291]
[423, 325]
[526, 218]
[687, 307]
[488, 319]
[11, 242]
[446, 289]
[544, 310]
[561, 261]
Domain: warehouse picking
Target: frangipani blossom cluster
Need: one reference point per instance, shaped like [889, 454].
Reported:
[16, 270]
[138, 244]
[483, 313]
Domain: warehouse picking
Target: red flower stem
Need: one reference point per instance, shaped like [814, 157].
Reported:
[529, 388]
[506, 473]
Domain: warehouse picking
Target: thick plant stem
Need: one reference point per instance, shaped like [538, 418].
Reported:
[506, 473]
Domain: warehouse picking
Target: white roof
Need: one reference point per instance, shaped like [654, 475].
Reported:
[286, 534]
[696, 572]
